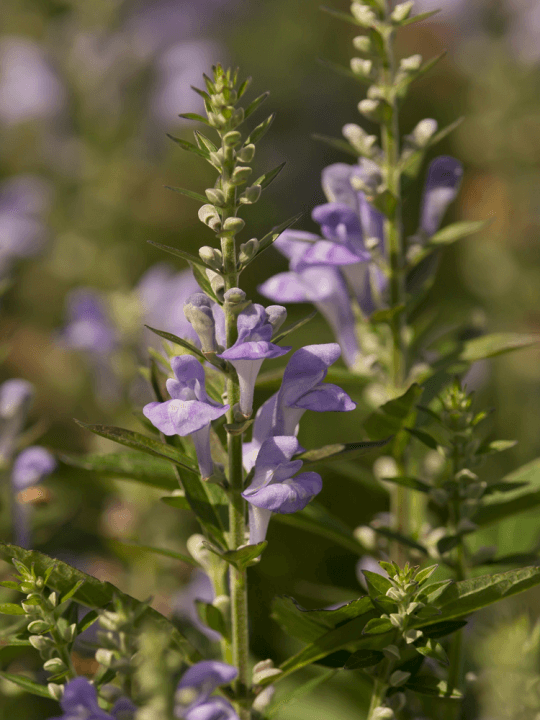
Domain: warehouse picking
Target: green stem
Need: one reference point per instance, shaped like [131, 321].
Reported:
[399, 503]
[378, 695]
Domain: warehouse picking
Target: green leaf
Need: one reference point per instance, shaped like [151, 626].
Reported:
[418, 18]
[273, 235]
[143, 468]
[376, 584]
[336, 143]
[429, 685]
[177, 501]
[424, 437]
[30, 686]
[190, 147]
[194, 116]
[137, 441]
[433, 650]
[393, 535]
[91, 593]
[409, 482]
[318, 520]
[178, 341]
[260, 131]
[202, 280]
[11, 609]
[266, 179]
[250, 109]
[71, 593]
[456, 231]
[308, 625]
[188, 257]
[244, 556]
[282, 334]
[468, 596]
[443, 629]
[390, 417]
[434, 591]
[341, 451]
[204, 143]
[187, 193]
[299, 692]
[378, 626]
[363, 659]
[507, 502]
[496, 344]
[157, 551]
[495, 446]
[212, 616]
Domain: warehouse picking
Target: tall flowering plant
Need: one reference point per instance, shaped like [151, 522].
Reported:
[240, 466]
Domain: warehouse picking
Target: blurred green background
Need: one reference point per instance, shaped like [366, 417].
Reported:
[88, 91]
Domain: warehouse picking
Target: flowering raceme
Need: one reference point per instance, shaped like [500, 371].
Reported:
[190, 411]
[79, 702]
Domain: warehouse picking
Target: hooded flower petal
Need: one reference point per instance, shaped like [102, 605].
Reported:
[289, 496]
[217, 708]
[31, 466]
[79, 702]
[196, 686]
[336, 183]
[442, 185]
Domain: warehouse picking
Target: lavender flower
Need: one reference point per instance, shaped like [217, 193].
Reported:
[255, 328]
[302, 389]
[440, 189]
[89, 328]
[190, 411]
[16, 397]
[198, 588]
[79, 702]
[29, 87]
[273, 488]
[193, 701]
[31, 466]
[23, 201]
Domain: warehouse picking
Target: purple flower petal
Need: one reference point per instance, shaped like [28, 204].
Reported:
[326, 398]
[442, 185]
[288, 496]
[206, 676]
[294, 243]
[198, 588]
[336, 183]
[325, 252]
[79, 702]
[31, 466]
[14, 395]
[182, 417]
[217, 708]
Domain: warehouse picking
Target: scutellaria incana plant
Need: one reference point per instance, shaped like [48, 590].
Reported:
[240, 466]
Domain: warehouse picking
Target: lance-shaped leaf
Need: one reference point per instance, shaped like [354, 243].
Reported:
[134, 545]
[195, 116]
[260, 130]
[391, 417]
[187, 193]
[178, 501]
[416, 75]
[243, 557]
[190, 147]
[408, 482]
[188, 257]
[11, 609]
[500, 505]
[201, 277]
[254, 104]
[318, 520]
[140, 467]
[266, 179]
[429, 685]
[308, 625]
[495, 446]
[282, 334]
[363, 658]
[496, 344]
[341, 451]
[204, 143]
[183, 343]
[212, 616]
[378, 626]
[457, 231]
[90, 591]
[419, 17]
[273, 235]
[398, 537]
[424, 437]
[298, 692]
[336, 144]
[26, 684]
[443, 629]
[244, 86]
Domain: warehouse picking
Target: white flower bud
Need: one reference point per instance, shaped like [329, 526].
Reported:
[233, 225]
[40, 643]
[55, 691]
[362, 43]
[217, 158]
[411, 636]
[359, 139]
[37, 627]
[216, 196]
[370, 108]
[232, 138]
[248, 250]
[246, 154]
[264, 698]
[211, 256]
[237, 117]
[54, 665]
[364, 15]
[251, 195]
[263, 670]
[209, 216]
[105, 657]
[410, 64]
[424, 131]
[217, 282]
[398, 677]
[383, 713]
[240, 175]
[402, 11]
[361, 67]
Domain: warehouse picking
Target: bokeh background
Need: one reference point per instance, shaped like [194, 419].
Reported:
[88, 91]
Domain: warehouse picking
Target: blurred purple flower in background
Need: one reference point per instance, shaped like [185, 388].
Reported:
[29, 87]
[273, 488]
[16, 397]
[193, 699]
[198, 588]
[31, 466]
[24, 200]
[79, 702]
[440, 189]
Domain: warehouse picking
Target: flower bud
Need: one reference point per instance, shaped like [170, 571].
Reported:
[209, 216]
[359, 139]
[233, 225]
[371, 109]
[105, 657]
[264, 698]
[361, 67]
[198, 312]
[263, 670]
[276, 315]
[362, 43]
[410, 64]
[398, 677]
[383, 713]
[251, 195]
[40, 643]
[392, 652]
[246, 154]
[216, 196]
[68, 634]
[411, 636]
[232, 138]
[217, 282]
[234, 296]
[37, 627]
[240, 175]
[55, 691]
[363, 14]
[237, 117]
[248, 250]
[54, 665]
[402, 11]
[217, 120]
[424, 131]
[217, 158]
[197, 550]
[211, 256]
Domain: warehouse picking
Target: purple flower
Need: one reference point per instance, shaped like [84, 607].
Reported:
[255, 328]
[302, 389]
[190, 411]
[31, 466]
[89, 328]
[198, 588]
[193, 701]
[273, 488]
[16, 397]
[24, 199]
[29, 87]
[79, 702]
[440, 189]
